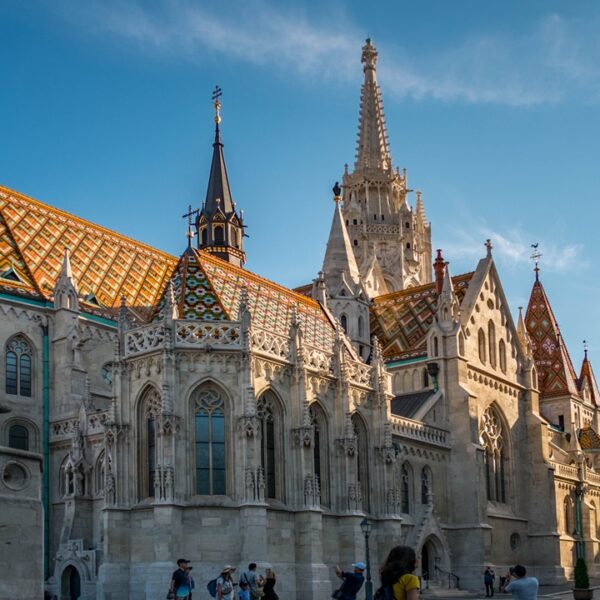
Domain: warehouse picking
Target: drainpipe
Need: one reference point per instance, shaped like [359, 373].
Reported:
[46, 444]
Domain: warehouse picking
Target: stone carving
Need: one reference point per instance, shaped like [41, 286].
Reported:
[354, 497]
[144, 339]
[312, 491]
[207, 335]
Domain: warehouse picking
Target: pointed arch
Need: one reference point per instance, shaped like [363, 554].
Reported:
[481, 346]
[20, 433]
[344, 323]
[492, 343]
[502, 355]
[416, 384]
[18, 363]
[425, 378]
[210, 415]
[362, 459]
[426, 484]
[321, 450]
[461, 344]
[270, 415]
[406, 382]
[397, 383]
[569, 515]
[100, 474]
[149, 408]
[406, 487]
[495, 440]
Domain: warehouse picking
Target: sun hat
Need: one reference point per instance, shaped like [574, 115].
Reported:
[227, 569]
[359, 565]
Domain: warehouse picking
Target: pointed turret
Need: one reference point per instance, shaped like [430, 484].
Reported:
[339, 264]
[219, 227]
[587, 379]
[448, 304]
[555, 370]
[373, 149]
[65, 290]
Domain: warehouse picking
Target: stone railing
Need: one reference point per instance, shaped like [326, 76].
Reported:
[317, 360]
[63, 429]
[144, 339]
[567, 471]
[207, 334]
[419, 431]
[360, 373]
[214, 335]
[273, 344]
[593, 478]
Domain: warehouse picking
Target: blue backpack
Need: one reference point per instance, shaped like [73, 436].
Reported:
[385, 593]
[211, 586]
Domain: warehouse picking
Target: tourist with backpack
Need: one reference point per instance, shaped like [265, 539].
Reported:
[181, 581]
[222, 586]
[255, 582]
[398, 581]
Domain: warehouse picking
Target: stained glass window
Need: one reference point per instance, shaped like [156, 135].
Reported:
[211, 463]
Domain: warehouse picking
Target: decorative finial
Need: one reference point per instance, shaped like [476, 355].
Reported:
[337, 192]
[217, 93]
[369, 55]
[488, 245]
[585, 349]
[536, 255]
[189, 214]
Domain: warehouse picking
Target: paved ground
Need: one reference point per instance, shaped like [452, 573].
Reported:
[550, 592]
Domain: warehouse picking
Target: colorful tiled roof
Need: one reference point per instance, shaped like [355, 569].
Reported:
[402, 319]
[556, 374]
[106, 265]
[588, 440]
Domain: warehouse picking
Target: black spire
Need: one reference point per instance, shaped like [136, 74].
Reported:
[220, 229]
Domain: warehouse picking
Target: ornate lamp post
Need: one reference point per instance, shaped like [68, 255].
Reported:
[366, 526]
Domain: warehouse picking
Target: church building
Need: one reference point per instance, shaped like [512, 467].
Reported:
[154, 406]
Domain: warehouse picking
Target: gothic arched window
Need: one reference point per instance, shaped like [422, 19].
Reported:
[268, 411]
[18, 437]
[211, 463]
[360, 326]
[405, 487]
[100, 474]
[481, 344]
[494, 441]
[209, 420]
[18, 366]
[362, 458]
[569, 516]
[344, 322]
[204, 236]
[150, 409]
[320, 450]
[219, 235]
[502, 355]
[425, 378]
[492, 343]
[426, 485]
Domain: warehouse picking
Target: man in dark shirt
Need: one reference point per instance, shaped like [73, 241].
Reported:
[352, 582]
[181, 581]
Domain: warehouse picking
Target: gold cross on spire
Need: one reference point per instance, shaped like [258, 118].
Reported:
[216, 95]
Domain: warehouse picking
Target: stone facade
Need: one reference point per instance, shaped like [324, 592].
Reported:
[196, 409]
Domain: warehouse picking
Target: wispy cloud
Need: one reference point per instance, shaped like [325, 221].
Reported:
[512, 247]
[556, 59]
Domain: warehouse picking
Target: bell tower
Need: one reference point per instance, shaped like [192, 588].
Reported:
[219, 228]
[391, 240]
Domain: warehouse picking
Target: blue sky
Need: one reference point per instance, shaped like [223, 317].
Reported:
[492, 107]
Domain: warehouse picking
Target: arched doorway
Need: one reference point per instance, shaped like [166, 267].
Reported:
[433, 560]
[70, 584]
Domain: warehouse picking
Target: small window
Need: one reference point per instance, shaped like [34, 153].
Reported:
[407, 225]
[383, 217]
[18, 437]
[356, 242]
[347, 222]
[344, 322]
[408, 245]
[18, 366]
[561, 422]
[375, 217]
[204, 236]
[354, 222]
[219, 236]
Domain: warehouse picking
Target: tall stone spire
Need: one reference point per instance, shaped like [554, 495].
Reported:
[65, 290]
[219, 228]
[373, 148]
[383, 228]
[339, 262]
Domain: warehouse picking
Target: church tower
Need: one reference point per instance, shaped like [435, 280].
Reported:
[390, 240]
[219, 228]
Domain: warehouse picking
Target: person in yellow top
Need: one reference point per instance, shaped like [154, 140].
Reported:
[397, 575]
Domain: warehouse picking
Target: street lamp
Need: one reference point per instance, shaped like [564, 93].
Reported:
[366, 526]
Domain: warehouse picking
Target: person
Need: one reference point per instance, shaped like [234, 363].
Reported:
[244, 591]
[352, 582]
[225, 583]
[504, 579]
[398, 573]
[488, 579]
[270, 579]
[522, 587]
[254, 580]
[181, 580]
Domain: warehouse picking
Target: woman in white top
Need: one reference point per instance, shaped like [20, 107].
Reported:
[225, 583]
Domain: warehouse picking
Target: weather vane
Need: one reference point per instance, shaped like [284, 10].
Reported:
[585, 347]
[188, 215]
[535, 256]
[216, 95]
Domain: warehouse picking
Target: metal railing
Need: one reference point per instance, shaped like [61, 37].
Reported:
[452, 578]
